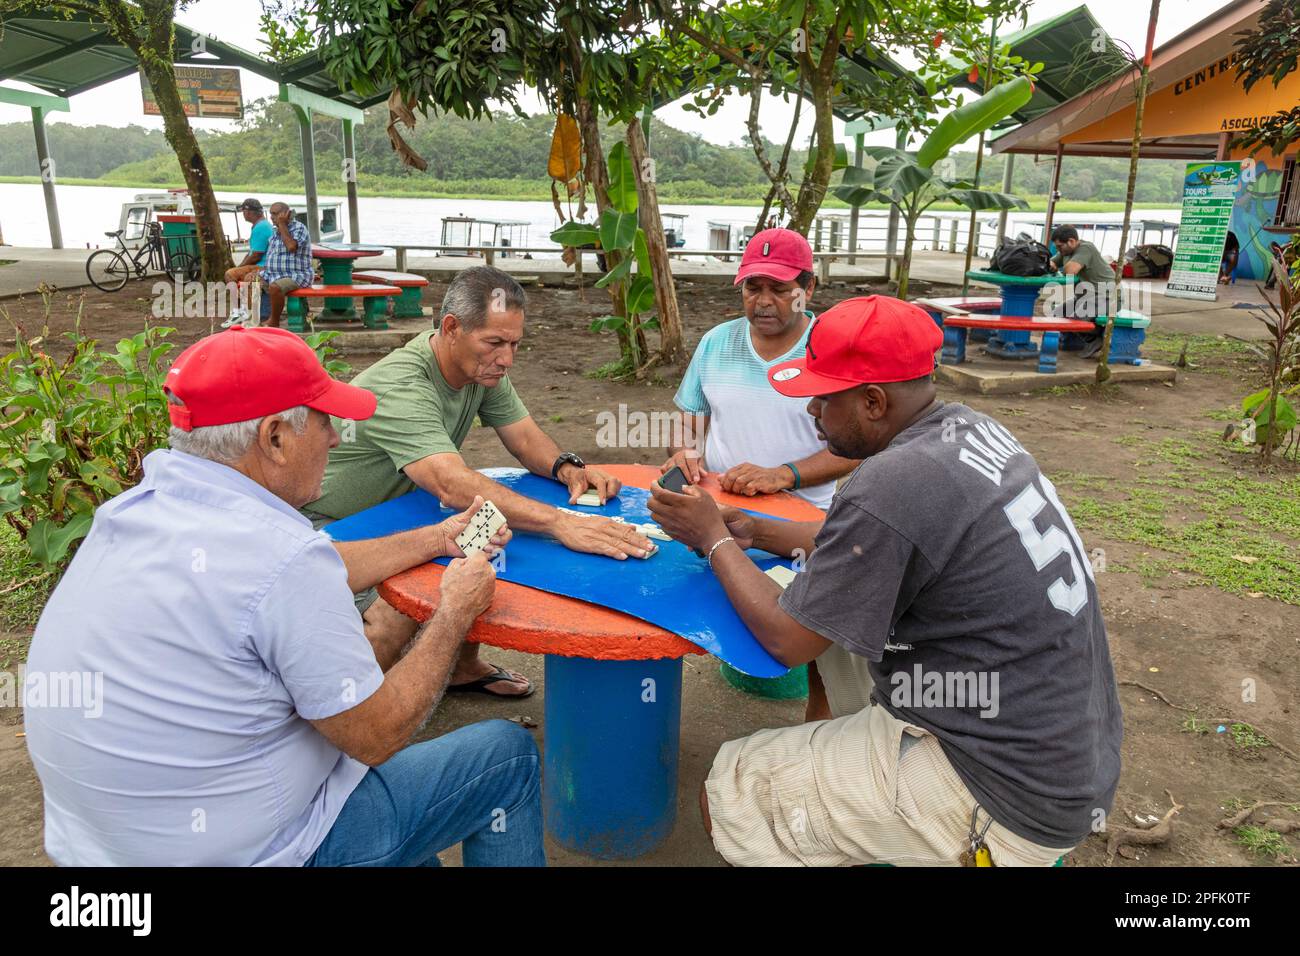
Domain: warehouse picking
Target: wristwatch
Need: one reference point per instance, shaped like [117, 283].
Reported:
[568, 458]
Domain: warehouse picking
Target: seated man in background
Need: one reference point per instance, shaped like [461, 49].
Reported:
[259, 237]
[1094, 284]
[247, 720]
[430, 392]
[759, 440]
[968, 704]
[288, 260]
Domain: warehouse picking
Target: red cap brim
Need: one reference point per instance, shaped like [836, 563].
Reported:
[804, 383]
[773, 270]
[345, 401]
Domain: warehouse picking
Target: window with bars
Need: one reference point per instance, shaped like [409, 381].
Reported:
[1288, 202]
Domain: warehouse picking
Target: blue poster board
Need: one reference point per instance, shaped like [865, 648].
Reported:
[675, 589]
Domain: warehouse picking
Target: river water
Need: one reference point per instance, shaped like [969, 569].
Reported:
[87, 212]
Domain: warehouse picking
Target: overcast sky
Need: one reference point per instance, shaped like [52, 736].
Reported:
[236, 21]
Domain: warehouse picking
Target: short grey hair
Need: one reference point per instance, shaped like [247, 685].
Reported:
[474, 291]
[229, 443]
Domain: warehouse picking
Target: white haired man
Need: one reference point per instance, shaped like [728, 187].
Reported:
[245, 718]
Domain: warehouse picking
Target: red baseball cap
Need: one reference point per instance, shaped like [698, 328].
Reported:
[779, 254]
[240, 374]
[874, 338]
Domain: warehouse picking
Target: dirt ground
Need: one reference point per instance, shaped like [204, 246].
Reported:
[1185, 633]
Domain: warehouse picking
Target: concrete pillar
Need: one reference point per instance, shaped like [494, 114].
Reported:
[309, 170]
[1051, 196]
[1007, 173]
[350, 176]
[47, 177]
[853, 213]
[891, 231]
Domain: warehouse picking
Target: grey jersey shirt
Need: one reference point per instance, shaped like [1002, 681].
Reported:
[948, 561]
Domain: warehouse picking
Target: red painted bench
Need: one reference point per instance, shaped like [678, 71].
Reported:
[955, 330]
[296, 311]
[407, 305]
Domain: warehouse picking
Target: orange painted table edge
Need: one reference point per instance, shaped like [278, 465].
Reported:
[521, 618]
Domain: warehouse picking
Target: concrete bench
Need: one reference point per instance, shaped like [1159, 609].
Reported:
[943, 306]
[295, 309]
[955, 329]
[407, 305]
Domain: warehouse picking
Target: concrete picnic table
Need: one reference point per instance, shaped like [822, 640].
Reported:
[336, 261]
[610, 769]
[1019, 296]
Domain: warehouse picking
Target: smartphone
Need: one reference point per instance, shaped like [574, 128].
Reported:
[674, 479]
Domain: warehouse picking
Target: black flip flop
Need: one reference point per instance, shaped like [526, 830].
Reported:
[481, 685]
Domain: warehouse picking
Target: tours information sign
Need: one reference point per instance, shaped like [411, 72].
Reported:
[1209, 191]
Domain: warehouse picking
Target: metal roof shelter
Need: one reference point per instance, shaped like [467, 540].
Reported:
[1054, 131]
[66, 55]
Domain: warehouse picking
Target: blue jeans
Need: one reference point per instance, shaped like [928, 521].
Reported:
[479, 785]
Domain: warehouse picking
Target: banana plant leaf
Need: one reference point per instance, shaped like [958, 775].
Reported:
[980, 199]
[977, 115]
[622, 180]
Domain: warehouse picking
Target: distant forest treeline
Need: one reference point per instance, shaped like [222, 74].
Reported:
[506, 156]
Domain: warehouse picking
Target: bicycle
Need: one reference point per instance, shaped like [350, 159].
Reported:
[109, 269]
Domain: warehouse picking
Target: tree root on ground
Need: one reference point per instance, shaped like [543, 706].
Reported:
[1243, 816]
[1211, 720]
[1155, 835]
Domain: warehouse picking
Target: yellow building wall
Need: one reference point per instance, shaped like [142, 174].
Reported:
[1208, 100]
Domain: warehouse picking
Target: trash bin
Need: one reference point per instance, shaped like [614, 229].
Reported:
[179, 234]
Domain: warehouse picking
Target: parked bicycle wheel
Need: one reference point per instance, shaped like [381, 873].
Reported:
[184, 268]
[107, 270]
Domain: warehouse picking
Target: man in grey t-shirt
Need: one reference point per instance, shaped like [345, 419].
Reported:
[949, 605]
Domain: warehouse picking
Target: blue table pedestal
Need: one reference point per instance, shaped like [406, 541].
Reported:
[1017, 300]
[609, 782]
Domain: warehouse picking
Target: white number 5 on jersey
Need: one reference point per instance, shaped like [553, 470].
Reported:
[1045, 546]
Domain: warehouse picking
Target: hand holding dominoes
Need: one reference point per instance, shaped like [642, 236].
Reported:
[481, 527]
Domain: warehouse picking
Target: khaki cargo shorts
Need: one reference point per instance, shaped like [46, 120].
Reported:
[860, 788]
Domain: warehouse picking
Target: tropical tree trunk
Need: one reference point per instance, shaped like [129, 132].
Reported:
[812, 191]
[631, 343]
[670, 320]
[905, 266]
[1103, 361]
[213, 251]
[148, 30]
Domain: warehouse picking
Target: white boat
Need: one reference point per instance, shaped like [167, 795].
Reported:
[674, 229]
[146, 207]
[468, 232]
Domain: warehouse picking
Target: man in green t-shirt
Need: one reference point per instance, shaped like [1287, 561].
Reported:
[429, 393]
[1094, 283]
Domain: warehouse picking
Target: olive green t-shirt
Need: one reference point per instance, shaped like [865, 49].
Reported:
[1095, 267]
[418, 415]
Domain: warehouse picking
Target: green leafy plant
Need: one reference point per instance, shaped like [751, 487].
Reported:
[74, 431]
[908, 181]
[320, 344]
[1269, 411]
[624, 245]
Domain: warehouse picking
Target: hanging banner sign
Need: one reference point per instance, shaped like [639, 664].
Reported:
[1209, 191]
[207, 92]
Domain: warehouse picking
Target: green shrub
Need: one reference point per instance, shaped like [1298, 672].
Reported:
[73, 432]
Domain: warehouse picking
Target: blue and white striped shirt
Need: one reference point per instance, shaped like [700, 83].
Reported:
[280, 263]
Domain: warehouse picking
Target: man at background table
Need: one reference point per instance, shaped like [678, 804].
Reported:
[1094, 284]
[259, 237]
[430, 392]
[950, 606]
[758, 440]
[245, 718]
[288, 260]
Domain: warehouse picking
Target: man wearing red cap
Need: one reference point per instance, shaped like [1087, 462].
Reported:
[245, 719]
[759, 440]
[968, 711]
